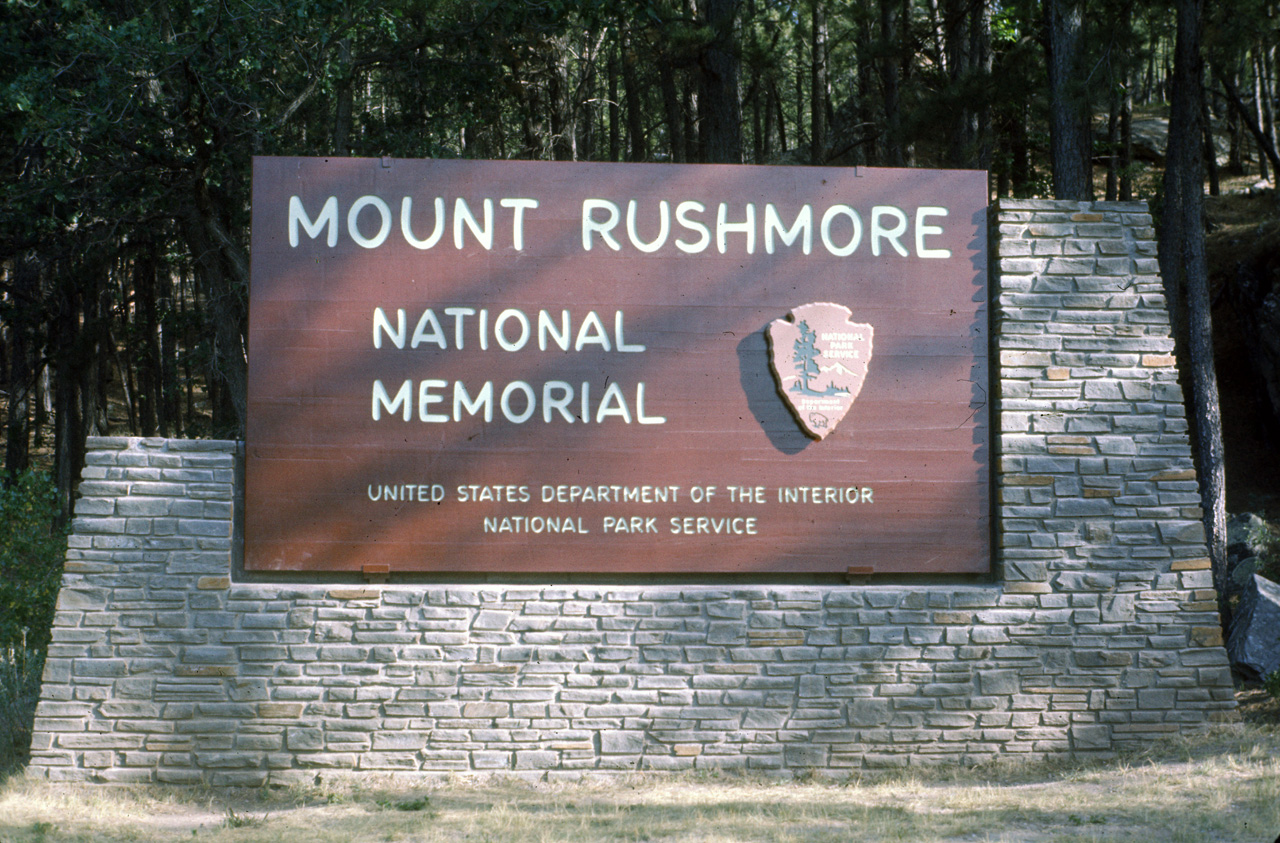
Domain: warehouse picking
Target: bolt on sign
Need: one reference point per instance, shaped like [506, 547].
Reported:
[526, 367]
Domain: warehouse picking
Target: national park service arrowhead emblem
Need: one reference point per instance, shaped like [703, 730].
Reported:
[819, 359]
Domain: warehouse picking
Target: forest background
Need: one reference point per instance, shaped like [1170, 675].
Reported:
[129, 125]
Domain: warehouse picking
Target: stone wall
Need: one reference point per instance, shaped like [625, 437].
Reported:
[1098, 632]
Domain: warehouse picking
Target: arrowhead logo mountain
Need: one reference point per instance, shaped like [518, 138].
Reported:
[819, 358]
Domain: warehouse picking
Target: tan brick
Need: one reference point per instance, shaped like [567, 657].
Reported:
[687, 749]
[1206, 636]
[1177, 474]
[213, 583]
[1158, 361]
[1087, 217]
[1145, 727]
[1199, 564]
[354, 593]
[1057, 373]
[1028, 480]
[1027, 588]
[276, 709]
[206, 670]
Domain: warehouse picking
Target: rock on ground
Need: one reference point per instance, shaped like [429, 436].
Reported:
[1254, 644]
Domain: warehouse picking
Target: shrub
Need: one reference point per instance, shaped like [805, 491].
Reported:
[20, 671]
[32, 547]
[1262, 540]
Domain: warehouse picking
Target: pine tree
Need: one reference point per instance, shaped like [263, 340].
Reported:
[806, 355]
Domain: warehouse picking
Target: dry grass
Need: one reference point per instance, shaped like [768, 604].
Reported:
[1224, 786]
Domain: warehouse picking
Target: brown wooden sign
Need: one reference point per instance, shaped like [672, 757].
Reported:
[474, 366]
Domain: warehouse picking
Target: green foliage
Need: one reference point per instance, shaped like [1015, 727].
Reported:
[1262, 537]
[1271, 684]
[32, 545]
[420, 802]
[236, 820]
[20, 671]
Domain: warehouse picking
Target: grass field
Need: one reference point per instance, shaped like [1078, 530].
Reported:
[1222, 786]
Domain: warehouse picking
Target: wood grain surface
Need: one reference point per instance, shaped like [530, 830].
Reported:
[320, 468]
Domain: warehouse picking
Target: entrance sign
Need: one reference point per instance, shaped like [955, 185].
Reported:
[522, 367]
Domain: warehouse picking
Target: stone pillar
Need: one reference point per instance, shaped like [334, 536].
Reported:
[1099, 509]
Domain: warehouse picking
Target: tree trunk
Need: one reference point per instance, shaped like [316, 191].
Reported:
[818, 93]
[1020, 166]
[719, 111]
[20, 353]
[344, 100]
[1210, 149]
[1069, 130]
[689, 103]
[561, 111]
[1262, 99]
[1126, 140]
[1263, 139]
[866, 91]
[983, 63]
[889, 78]
[776, 96]
[148, 358]
[671, 110]
[68, 437]
[170, 410]
[1113, 146]
[1185, 271]
[615, 111]
[960, 143]
[224, 275]
[635, 116]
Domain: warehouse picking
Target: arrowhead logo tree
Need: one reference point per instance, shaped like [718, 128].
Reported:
[819, 359]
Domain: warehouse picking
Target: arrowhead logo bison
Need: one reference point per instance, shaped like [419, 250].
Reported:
[819, 359]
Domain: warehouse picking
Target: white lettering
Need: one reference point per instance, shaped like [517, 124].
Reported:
[518, 206]
[613, 393]
[501, 335]
[353, 218]
[328, 217]
[421, 335]
[619, 342]
[530, 402]
[462, 216]
[396, 334]
[462, 401]
[546, 326]
[825, 230]
[664, 227]
[879, 232]
[923, 230]
[802, 226]
[704, 233]
[406, 228]
[591, 332]
[589, 223]
[381, 400]
[459, 314]
[426, 398]
[551, 402]
[724, 228]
